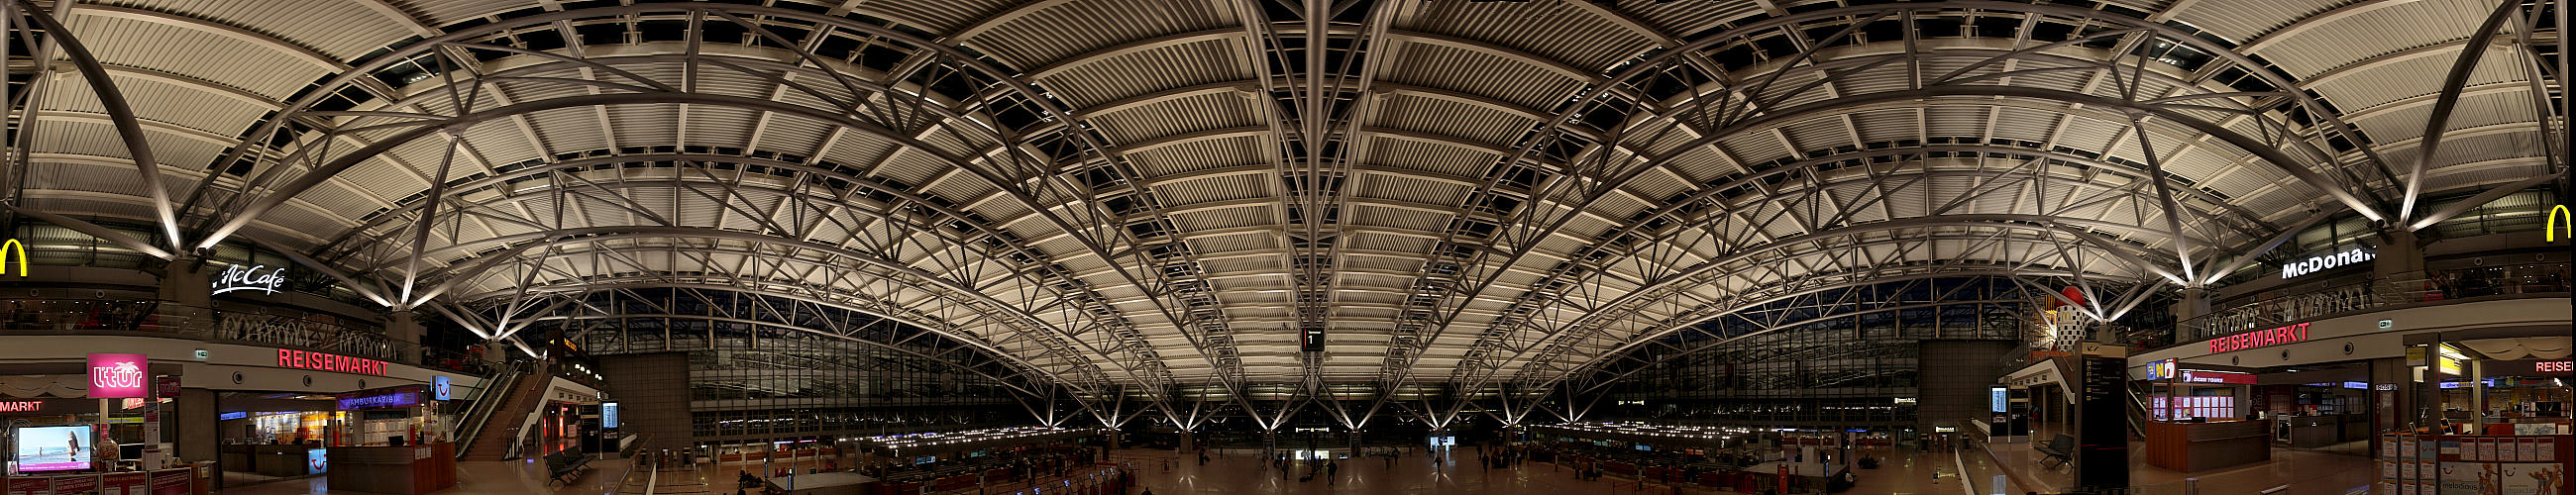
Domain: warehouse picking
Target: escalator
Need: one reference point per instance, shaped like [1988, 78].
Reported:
[510, 395]
[2138, 411]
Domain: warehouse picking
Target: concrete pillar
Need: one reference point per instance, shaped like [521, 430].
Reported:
[496, 350]
[1189, 441]
[187, 281]
[2398, 253]
[195, 425]
[2399, 264]
[403, 325]
[2195, 302]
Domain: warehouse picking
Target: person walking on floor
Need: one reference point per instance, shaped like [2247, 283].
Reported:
[1332, 472]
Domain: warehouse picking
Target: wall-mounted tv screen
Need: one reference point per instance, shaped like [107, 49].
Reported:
[53, 448]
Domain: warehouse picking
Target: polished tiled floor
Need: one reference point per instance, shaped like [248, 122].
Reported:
[2331, 471]
[1904, 472]
[2009, 469]
[476, 478]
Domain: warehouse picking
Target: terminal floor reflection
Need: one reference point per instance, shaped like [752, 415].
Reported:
[2011, 470]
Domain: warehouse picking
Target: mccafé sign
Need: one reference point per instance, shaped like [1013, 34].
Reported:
[308, 360]
[2249, 340]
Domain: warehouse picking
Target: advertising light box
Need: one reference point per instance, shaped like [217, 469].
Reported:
[53, 448]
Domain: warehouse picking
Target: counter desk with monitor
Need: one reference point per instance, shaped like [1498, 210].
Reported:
[2196, 446]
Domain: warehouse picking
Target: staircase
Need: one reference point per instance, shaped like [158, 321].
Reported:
[487, 441]
[2138, 410]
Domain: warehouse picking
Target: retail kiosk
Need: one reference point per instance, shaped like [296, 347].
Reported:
[389, 444]
[2198, 418]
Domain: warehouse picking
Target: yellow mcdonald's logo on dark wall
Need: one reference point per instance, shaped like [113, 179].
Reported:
[2550, 232]
[13, 246]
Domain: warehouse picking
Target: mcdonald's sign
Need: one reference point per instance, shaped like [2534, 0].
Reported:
[13, 246]
[2549, 233]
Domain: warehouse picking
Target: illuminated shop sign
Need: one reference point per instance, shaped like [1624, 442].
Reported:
[236, 278]
[13, 246]
[2163, 369]
[2549, 232]
[308, 360]
[2204, 376]
[380, 399]
[2249, 340]
[116, 376]
[232, 415]
[21, 405]
[2554, 366]
[2326, 261]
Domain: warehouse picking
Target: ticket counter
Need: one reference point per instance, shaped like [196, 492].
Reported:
[2189, 447]
[383, 449]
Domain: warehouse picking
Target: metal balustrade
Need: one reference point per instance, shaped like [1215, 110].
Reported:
[2401, 290]
[311, 332]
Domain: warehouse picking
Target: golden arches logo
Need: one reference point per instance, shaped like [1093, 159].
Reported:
[2549, 232]
[13, 246]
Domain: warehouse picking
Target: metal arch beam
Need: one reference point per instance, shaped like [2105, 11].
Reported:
[1129, 48]
[659, 283]
[94, 230]
[1669, 330]
[1812, 162]
[387, 9]
[887, 346]
[211, 87]
[2266, 40]
[1048, 182]
[963, 35]
[1805, 111]
[774, 260]
[2004, 221]
[905, 195]
[128, 128]
[2440, 120]
[301, 52]
[1900, 241]
[1783, 193]
[597, 234]
[1772, 117]
[1014, 84]
[2158, 29]
[324, 172]
[1569, 71]
[1723, 341]
[2272, 156]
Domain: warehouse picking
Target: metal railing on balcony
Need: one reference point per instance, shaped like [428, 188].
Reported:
[2319, 302]
[302, 332]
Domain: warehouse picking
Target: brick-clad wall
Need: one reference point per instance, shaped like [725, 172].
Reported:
[652, 392]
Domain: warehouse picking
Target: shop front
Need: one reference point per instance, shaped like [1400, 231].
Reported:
[274, 435]
[92, 427]
[391, 442]
[2339, 386]
[2492, 416]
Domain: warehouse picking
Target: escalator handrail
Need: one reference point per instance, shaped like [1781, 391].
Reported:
[485, 402]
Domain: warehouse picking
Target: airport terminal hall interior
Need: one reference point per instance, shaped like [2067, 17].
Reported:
[1286, 247]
